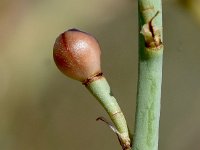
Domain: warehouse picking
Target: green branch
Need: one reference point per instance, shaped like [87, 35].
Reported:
[149, 76]
[102, 92]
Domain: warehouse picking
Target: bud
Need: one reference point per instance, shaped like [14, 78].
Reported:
[77, 54]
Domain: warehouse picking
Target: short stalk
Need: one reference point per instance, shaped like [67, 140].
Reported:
[102, 92]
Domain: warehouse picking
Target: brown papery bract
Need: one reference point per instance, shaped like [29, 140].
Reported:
[77, 54]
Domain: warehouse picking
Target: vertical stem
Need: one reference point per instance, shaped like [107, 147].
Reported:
[149, 76]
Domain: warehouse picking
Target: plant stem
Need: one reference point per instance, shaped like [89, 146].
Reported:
[149, 76]
[102, 92]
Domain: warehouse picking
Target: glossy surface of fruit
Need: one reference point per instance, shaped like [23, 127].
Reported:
[77, 54]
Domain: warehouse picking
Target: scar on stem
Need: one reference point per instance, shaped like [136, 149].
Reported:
[147, 8]
[152, 34]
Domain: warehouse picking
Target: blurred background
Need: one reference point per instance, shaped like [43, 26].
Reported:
[41, 109]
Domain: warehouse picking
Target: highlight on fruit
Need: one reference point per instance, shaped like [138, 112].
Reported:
[77, 55]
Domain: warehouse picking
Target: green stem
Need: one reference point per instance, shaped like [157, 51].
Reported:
[149, 76]
[101, 90]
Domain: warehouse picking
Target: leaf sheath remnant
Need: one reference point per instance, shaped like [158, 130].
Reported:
[152, 34]
[125, 145]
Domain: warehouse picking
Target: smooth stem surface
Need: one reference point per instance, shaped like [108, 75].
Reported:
[101, 90]
[149, 76]
[148, 103]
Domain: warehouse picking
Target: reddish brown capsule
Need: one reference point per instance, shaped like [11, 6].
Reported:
[77, 54]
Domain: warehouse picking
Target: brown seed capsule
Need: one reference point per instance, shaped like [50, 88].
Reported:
[77, 54]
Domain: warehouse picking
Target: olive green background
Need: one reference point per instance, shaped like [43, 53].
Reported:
[41, 109]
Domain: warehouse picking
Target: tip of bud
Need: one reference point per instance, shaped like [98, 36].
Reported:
[77, 54]
[74, 29]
